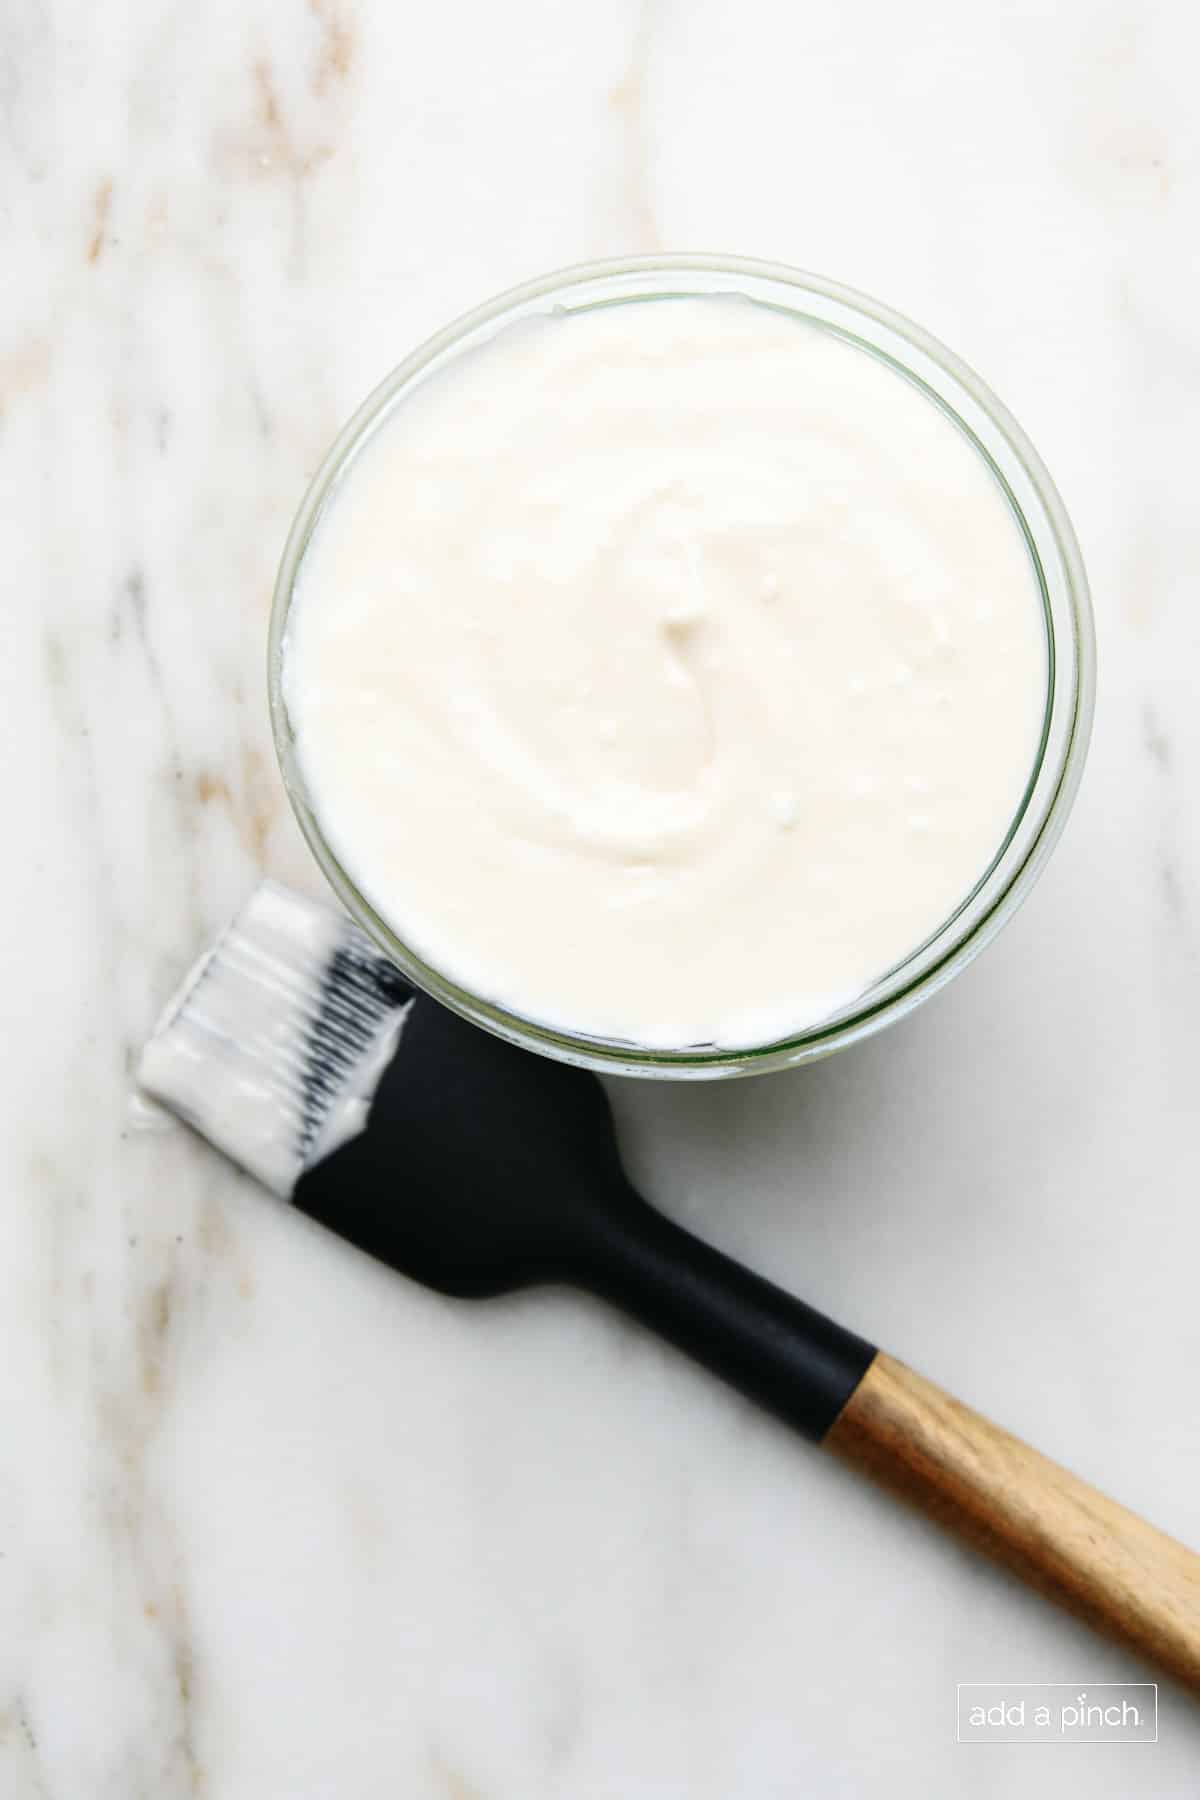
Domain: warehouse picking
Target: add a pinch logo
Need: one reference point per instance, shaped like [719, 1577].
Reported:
[1102, 1712]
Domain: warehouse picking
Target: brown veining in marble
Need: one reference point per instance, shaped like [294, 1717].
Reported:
[255, 805]
[101, 207]
[213, 1234]
[268, 100]
[452, 1783]
[209, 788]
[281, 149]
[336, 54]
[21, 369]
[158, 218]
[261, 796]
[628, 101]
[154, 1323]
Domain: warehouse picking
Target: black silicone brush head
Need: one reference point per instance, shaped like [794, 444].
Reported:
[481, 1168]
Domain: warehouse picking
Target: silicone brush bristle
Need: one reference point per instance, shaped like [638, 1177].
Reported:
[274, 1044]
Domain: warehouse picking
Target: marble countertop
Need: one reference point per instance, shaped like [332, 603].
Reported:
[273, 1524]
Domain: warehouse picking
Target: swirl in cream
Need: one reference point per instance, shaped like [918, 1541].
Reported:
[667, 671]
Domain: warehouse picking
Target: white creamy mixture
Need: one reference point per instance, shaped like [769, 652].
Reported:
[667, 672]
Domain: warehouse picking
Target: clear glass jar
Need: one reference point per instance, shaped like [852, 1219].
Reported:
[1059, 569]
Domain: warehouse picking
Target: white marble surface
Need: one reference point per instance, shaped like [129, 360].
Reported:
[273, 1525]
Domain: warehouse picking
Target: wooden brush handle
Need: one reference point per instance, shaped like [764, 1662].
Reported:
[1104, 1564]
[1052, 1530]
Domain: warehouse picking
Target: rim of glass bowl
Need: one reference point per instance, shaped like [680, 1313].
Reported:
[1056, 557]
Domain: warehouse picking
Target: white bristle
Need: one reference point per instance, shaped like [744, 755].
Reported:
[274, 1044]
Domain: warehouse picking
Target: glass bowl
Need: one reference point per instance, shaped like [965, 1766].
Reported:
[1039, 511]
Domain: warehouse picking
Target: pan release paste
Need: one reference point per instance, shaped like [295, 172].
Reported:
[669, 671]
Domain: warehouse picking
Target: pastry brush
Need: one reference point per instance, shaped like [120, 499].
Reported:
[477, 1168]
